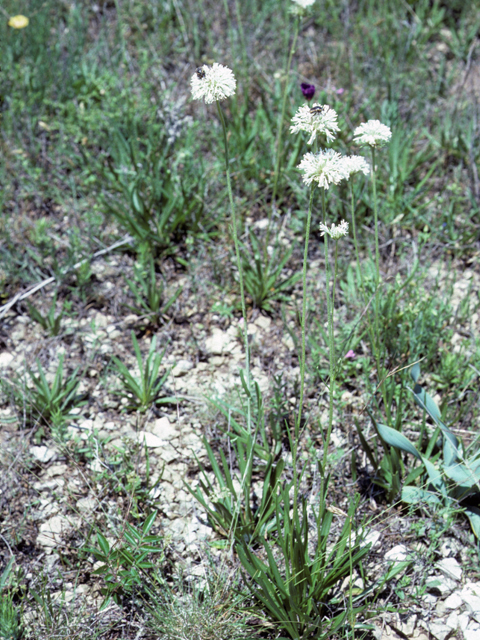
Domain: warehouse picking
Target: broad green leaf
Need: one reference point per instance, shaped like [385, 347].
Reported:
[415, 372]
[149, 522]
[415, 495]
[103, 542]
[435, 476]
[473, 514]
[397, 439]
[460, 474]
[151, 548]
[426, 402]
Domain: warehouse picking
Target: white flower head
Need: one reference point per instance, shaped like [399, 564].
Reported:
[373, 133]
[324, 167]
[336, 231]
[18, 22]
[316, 120]
[213, 83]
[304, 3]
[299, 6]
[353, 164]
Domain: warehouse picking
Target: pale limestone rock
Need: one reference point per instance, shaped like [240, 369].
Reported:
[429, 598]
[6, 359]
[408, 626]
[18, 334]
[454, 601]
[168, 454]
[150, 439]
[164, 429]
[86, 505]
[263, 322]
[439, 630]
[472, 587]
[473, 605]
[472, 632]
[261, 224]
[288, 342]
[469, 596]
[96, 466]
[386, 633]
[399, 553]
[43, 453]
[101, 320]
[86, 424]
[463, 621]
[181, 368]
[450, 568]
[52, 531]
[452, 620]
[49, 484]
[219, 343]
[446, 585]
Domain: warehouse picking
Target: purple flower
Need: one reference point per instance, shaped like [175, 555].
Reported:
[350, 354]
[308, 90]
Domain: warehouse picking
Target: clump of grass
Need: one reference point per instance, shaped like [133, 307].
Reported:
[201, 609]
[10, 626]
[144, 390]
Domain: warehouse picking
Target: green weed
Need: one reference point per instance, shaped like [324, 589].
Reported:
[263, 275]
[144, 390]
[125, 568]
[149, 293]
[50, 322]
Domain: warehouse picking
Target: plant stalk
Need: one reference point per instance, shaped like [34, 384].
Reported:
[331, 337]
[239, 262]
[302, 356]
[377, 291]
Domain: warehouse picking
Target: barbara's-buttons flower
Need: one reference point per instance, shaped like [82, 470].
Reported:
[372, 133]
[213, 83]
[304, 3]
[325, 167]
[353, 164]
[316, 120]
[336, 231]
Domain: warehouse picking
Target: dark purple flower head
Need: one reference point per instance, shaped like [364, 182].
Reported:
[308, 90]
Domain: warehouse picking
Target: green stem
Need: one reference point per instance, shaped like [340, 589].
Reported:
[377, 290]
[247, 474]
[350, 590]
[371, 332]
[355, 242]
[239, 262]
[331, 339]
[302, 356]
[377, 248]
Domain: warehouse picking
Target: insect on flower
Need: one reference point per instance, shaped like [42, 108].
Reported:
[212, 83]
[318, 109]
[317, 120]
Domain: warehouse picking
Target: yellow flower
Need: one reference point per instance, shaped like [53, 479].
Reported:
[18, 22]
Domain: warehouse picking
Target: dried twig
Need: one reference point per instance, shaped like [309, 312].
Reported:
[127, 239]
